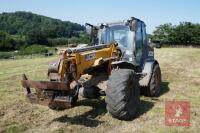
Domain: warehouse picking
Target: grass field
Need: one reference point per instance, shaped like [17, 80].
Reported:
[181, 81]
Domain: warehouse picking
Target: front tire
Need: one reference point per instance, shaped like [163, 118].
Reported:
[122, 94]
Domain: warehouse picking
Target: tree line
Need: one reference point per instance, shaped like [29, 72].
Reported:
[21, 29]
[185, 33]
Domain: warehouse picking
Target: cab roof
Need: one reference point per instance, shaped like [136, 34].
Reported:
[122, 22]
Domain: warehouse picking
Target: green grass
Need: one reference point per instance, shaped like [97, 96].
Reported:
[15, 128]
[181, 81]
[6, 55]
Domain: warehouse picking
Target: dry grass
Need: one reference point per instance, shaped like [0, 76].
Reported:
[181, 81]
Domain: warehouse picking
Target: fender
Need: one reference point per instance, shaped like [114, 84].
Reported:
[147, 71]
[123, 64]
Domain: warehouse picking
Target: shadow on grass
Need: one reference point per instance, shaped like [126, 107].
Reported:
[164, 88]
[148, 105]
[144, 107]
[99, 108]
[88, 118]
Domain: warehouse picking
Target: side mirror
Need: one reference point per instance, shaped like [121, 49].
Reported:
[133, 25]
[88, 29]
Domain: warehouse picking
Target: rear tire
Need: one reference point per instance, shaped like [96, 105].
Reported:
[153, 89]
[122, 94]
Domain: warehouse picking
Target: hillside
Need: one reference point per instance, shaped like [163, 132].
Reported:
[20, 28]
[23, 22]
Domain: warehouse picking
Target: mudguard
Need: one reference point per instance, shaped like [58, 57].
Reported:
[123, 64]
[147, 71]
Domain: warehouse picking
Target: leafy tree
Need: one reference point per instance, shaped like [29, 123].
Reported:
[58, 41]
[36, 37]
[6, 42]
[163, 33]
[186, 33]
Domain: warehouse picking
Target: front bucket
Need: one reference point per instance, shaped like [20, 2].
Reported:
[47, 93]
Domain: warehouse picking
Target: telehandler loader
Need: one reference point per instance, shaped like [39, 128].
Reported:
[119, 49]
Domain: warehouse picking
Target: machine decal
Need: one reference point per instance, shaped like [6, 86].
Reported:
[151, 53]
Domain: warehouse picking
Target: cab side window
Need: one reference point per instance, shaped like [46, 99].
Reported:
[144, 34]
[139, 35]
[139, 42]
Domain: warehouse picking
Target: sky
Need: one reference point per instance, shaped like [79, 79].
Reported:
[152, 12]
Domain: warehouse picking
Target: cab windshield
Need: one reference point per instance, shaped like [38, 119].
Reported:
[119, 33]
